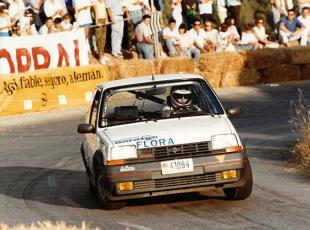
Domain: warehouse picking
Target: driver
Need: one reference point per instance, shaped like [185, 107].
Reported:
[180, 99]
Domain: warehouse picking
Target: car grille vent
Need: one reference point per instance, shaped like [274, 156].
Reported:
[170, 183]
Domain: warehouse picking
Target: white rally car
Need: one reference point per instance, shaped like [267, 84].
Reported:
[159, 135]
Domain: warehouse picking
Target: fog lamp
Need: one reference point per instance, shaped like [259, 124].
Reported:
[125, 186]
[230, 174]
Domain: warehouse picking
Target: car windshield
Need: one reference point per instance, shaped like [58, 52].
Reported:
[155, 102]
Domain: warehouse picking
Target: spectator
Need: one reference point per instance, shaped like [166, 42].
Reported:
[16, 9]
[225, 39]
[234, 10]
[5, 23]
[135, 10]
[189, 11]
[15, 31]
[260, 33]
[230, 21]
[66, 22]
[47, 28]
[170, 36]
[249, 40]
[199, 36]
[221, 10]
[186, 45]
[53, 8]
[205, 10]
[304, 18]
[83, 14]
[212, 36]
[57, 25]
[116, 9]
[177, 12]
[144, 38]
[101, 18]
[279, 8]
[291, 29]
[36, 6]
[302, 4]
[31, 29]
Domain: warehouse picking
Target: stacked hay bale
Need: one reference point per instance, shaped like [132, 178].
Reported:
[227, 69]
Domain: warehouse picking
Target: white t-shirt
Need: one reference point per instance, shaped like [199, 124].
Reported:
[212, 35]
[260, 32]
[233, 30]
[171, 33]
[176, 8]
[186, 41]
[84, 16]
[233, 2]
[43, 30]
[14, 9]
[205, 8]
[4, 21]
[66, 25]
[305, 21]
[198, 37]
[51, 8]
[223, 37]
[248, 38]
[131, 7]
[221, 6]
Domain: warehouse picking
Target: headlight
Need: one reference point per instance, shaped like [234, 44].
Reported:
[124, 152]
[223, 141]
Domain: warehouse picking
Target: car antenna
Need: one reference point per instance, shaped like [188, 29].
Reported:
[153, 79]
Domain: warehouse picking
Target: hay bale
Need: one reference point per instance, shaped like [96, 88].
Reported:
[136, 68]
[264, 58]
[157, 64]
[113, 71]
[283, 73]
[240, 78]
[222, 62]
[176, 65]
[305, 72]
[298, 55]
[214, 79]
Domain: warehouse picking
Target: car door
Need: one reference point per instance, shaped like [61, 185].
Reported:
[92, 138]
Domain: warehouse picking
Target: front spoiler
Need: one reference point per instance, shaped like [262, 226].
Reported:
[149, 172]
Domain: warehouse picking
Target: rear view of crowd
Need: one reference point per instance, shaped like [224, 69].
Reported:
[194, 27]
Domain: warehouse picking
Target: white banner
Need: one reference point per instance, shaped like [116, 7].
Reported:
[30, 53]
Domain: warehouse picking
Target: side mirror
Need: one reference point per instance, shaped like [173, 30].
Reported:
[86, 128]
[234, 112]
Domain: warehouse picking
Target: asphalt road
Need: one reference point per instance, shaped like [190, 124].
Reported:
[42, 176]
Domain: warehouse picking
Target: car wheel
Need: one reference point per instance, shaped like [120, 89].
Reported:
[91, 188]
[241, 193]
[104, 200]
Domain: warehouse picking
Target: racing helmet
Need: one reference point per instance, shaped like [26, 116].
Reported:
[181, 97]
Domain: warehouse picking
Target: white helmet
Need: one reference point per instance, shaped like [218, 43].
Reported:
[181, 97]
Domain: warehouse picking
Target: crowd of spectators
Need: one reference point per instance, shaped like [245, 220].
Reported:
[195, 26]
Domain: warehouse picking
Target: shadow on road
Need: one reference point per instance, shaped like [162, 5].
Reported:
[68, 188]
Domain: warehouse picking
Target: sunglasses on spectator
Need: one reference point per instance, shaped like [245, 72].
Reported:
[197, 24]
[208, 25]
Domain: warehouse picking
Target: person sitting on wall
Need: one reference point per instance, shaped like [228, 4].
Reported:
[171, 38]
[291, 29]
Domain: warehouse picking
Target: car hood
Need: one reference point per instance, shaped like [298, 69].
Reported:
[168, 132]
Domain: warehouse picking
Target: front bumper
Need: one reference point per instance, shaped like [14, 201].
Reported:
[148, 180]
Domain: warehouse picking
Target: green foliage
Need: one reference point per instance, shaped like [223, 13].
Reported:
[250, 9]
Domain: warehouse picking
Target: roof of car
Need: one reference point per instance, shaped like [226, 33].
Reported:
[147, 79]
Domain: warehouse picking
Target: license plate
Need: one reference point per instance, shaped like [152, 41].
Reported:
[177, 166]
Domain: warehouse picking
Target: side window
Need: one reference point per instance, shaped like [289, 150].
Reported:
[95, 109]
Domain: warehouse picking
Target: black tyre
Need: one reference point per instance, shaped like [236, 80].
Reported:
[104, 200]
[241, 193]
[91, 188]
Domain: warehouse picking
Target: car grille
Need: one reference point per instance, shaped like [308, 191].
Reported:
[175, 152]
[170, 183]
